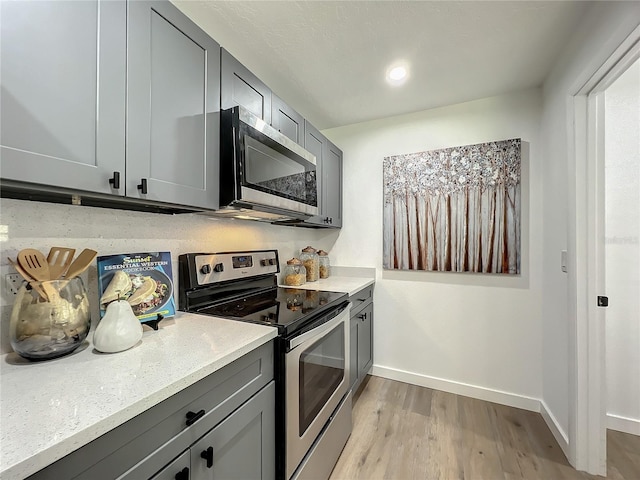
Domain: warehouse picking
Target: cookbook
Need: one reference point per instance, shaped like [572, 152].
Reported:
[145, 280]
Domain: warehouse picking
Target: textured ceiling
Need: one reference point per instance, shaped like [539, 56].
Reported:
[327, 59]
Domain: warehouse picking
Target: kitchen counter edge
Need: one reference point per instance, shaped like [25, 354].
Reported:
[350, 285]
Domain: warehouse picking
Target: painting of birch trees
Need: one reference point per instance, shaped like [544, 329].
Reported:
[454, 209]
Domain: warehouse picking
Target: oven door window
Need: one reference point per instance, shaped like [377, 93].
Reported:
[272, 168]
[322, 368]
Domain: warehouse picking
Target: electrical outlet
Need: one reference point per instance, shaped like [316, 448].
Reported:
[13, 282]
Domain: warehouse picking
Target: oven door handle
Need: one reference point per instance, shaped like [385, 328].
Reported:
[318, 331]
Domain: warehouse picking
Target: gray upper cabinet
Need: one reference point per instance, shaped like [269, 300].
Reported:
[63, 87]
[329, 175]
[173, 107]
[332, 184]
[286, 120]
[241, 87]
[314, 142]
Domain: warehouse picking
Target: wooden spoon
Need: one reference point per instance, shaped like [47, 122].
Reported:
[81, 263]
[29, 279]
[59, 259]
[35, 264]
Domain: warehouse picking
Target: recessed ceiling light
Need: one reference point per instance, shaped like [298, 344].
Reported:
[397, 74]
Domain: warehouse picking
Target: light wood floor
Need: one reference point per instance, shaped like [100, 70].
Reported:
[402, 431]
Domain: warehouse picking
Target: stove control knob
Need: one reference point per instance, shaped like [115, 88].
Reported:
[272, 261]
[218, 267]
[206, 269]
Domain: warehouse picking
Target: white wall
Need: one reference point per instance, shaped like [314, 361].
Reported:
[470, 333]
[42, 225]
[604, 27]
[622, 250]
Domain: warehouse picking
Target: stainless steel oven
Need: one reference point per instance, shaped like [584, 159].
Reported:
[313, 404]
[317, 379]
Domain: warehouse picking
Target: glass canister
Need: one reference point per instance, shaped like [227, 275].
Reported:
[325, 266]
[294, 273]
[49, 319]
[309, 258]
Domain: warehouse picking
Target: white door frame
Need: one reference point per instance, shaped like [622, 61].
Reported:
[587, 387]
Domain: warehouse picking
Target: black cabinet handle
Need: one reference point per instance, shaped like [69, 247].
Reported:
[115, 180]
[182, 474]
[194, 417]
[208, 456]
[363, 316]
[143, 186]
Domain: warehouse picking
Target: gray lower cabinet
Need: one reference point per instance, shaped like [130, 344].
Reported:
[239, 86]
[286, 120]
[63, 93]
[361, 340]
[232, 411]
[242, 446]
[329, 176]
[173, 107]
[110, 97]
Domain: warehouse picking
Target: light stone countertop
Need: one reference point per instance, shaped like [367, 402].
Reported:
[338, 283]
[49, 409]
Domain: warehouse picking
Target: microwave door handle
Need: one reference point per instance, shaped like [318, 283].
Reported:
[318, 331]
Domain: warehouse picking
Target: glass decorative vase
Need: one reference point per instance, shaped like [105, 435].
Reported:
[49, 319]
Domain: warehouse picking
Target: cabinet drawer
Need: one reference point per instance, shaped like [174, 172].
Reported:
[163, 428]
[361, 299]
[180, 467]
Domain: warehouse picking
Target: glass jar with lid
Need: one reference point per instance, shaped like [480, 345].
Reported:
[295, 273]
[325, 266]
[309, 258]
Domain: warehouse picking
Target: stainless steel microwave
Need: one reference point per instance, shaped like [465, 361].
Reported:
[264, 175]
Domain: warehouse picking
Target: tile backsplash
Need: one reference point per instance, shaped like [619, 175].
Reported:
[27, 224]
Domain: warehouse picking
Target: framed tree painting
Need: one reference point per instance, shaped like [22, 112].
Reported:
[454, 209]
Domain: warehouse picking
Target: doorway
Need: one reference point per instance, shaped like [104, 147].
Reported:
[588, 402]
[622, 250]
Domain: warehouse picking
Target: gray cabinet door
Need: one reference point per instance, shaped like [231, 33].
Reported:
[353, 351]
[329, 175]
[173, 107]
[63, 93]
[286, 120]
[332, 184]
[365, 341]
[314, 142]
[242, 446]
[241, 87]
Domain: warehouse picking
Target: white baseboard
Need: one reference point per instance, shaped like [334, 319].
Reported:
[474, 391]
[623, 424]
[558, 433]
